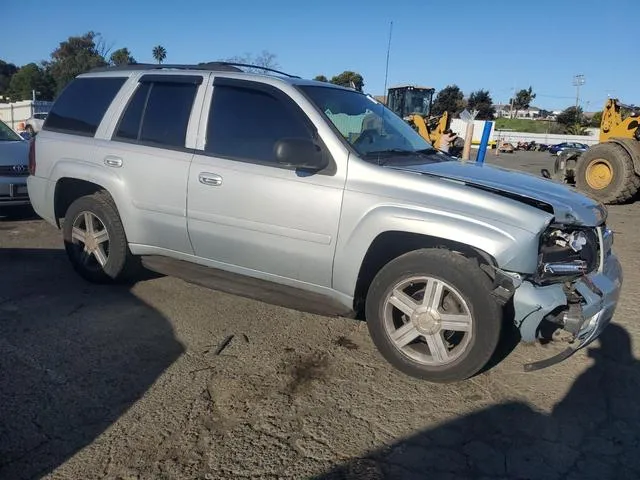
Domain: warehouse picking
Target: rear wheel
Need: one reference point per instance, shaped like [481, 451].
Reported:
[431, 315]
[605, 172]
[95, 240]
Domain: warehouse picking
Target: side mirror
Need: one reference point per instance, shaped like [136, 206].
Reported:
[300, 153]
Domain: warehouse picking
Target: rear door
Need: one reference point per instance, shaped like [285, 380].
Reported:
[249, 213]
[149, 148]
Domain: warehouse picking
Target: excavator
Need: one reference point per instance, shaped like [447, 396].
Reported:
[610, 170]
[413, 104]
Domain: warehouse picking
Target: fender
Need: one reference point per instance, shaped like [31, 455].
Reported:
[108, 179]
[504, 243]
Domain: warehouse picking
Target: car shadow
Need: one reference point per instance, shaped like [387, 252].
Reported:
[73, 358]
[592, 433]
[22, 213]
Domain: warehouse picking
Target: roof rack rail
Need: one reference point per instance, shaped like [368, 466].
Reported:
[160, 66]
[220, 66]
[257, 67]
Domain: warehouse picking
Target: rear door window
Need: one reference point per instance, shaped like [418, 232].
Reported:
[158, 114]
[81, 106]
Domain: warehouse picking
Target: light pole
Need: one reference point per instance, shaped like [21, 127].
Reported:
[578, 81]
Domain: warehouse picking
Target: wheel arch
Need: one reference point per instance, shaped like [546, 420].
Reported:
[85, 179]
[391, 244]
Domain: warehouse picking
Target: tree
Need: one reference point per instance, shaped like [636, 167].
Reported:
[7, 70]
[29, 78]
[321, 78]
[569, 116]
[449, 99]
[121, 56]
[265, 59]
[74, 56]
[347, 77]
[596, 120]
[577, 129]
[482, 102]
[523, 100]
[159, 53]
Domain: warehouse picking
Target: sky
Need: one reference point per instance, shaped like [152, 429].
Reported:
[499, 45]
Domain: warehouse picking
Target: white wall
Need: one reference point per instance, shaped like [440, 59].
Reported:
[548, 138]
[14, 113]
[460, 127]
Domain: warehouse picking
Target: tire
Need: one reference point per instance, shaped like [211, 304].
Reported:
[118, 262]
[624, 182]
[463, 280]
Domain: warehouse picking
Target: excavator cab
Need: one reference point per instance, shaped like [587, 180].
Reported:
[408, 100]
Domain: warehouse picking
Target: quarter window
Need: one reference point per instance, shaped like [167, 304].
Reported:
[245, 124]
[82, 104]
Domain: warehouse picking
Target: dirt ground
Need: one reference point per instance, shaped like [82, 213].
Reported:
[103, 382]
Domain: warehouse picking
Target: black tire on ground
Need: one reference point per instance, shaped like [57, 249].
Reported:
[121, 264]
[625, 182]
[472, 283]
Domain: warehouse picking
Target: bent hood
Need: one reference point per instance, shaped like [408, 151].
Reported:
[568, 206]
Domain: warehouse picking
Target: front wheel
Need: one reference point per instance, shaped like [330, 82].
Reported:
[95, 240]
[431, 315]
[606, 172]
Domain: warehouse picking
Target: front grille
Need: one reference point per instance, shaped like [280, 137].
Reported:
[14, 171]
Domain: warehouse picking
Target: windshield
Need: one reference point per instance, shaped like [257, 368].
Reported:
[369, 127]
[8, 135]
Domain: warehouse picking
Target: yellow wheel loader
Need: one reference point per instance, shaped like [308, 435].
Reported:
[413, 104]
[610, 170]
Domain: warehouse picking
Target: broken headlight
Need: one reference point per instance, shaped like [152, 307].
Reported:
[566, 253]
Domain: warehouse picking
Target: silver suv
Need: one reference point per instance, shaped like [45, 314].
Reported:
[318, 197]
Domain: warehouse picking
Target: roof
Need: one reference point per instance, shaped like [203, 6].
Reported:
[232, 68]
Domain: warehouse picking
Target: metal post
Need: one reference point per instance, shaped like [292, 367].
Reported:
[482, 151]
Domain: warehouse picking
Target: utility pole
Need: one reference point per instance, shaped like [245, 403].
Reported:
[513, 97]
[578, 81]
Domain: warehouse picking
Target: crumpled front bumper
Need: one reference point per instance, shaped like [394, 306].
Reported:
[599, 292]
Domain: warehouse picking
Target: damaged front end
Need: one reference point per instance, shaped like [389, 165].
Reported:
[573, 293]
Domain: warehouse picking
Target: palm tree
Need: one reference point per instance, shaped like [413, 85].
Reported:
[159, 53]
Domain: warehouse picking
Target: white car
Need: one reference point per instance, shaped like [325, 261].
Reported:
[14, 161]
[34, 124]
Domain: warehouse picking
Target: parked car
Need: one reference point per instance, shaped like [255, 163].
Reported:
[14, 151]
[560, 147]
[300, 204]
[34, 124]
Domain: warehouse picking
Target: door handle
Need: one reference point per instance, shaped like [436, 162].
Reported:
[210, 179]
[113, 161]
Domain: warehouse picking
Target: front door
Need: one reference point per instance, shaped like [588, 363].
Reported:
[245, 211]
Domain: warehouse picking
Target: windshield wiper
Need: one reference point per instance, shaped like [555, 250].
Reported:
[390, 151]
[398, 152]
